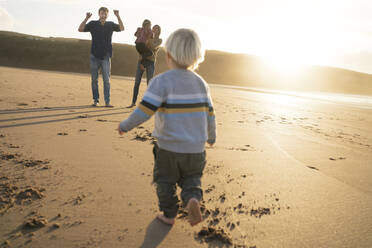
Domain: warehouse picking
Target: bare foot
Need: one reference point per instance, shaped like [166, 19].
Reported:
[142, 67]
[193, 208]
[166, 220]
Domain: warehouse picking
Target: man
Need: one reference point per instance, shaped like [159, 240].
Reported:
[101, 50]
[149, 63]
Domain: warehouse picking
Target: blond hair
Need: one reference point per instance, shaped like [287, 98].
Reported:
[184, 46]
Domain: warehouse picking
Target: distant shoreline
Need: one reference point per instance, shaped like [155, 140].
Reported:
[360, 101]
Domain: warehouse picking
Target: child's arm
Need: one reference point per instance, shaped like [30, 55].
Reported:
[150, 34]
[153, 44]
[211, 122]
[135, 119]
[152, 100]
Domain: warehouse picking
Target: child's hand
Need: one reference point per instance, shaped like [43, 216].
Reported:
[116, 12]
[119, 130]
[210, 144]
[136, 33]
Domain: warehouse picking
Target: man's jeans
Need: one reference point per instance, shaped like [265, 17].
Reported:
[150, 68]
[105, 65]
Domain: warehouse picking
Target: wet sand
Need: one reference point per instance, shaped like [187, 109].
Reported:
[285, 172]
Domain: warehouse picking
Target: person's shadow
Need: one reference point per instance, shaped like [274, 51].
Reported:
[155, 234]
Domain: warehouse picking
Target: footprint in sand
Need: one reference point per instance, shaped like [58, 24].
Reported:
[31, 162]
[210, 189]
[28, 195]
[241, 149]
[210, 234]
[7, 156]
[12, 146]
[35, 223]
[11, 195]
[76, 200]
[222, 198]
[143, 136]
[334, 159]
[260, 212]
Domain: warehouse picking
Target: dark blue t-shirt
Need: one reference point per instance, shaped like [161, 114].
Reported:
[101, 37]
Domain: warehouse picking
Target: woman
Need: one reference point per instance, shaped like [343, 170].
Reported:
[149, 63]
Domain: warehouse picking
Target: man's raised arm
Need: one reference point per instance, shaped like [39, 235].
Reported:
[82, 25]
[116, 12]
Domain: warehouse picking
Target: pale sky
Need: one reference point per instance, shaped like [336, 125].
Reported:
[325, 32]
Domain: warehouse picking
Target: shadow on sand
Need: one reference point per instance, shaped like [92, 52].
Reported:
[64, 119]
[44, 109]
[155, 234]
[61, 114]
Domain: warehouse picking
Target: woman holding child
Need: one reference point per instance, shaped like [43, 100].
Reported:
[146, 59]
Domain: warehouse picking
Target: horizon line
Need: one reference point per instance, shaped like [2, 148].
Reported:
[216, 50]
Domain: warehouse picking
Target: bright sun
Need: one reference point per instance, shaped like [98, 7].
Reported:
[285, 65]
[288, 48]
[288, 40]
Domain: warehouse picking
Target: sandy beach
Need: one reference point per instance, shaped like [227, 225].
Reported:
[286, 171]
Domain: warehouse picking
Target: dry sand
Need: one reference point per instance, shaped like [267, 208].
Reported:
[285, 172]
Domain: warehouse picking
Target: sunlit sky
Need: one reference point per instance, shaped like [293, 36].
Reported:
[286, 32]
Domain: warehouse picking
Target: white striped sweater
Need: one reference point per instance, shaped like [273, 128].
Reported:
[183, 108]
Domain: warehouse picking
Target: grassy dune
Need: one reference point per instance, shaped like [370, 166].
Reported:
[72, 55]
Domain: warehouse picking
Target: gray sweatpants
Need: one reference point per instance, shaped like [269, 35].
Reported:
[172, 168]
